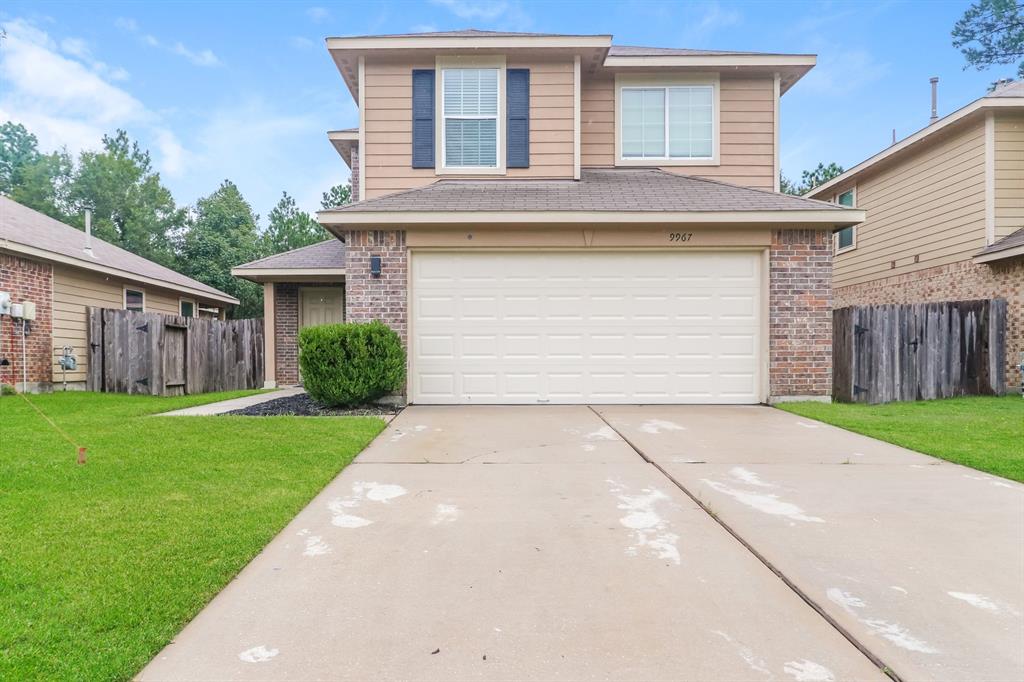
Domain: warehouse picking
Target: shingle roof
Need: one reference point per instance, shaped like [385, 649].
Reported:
[23, 225]
[473, 32]
[1011, 89]
[619, 190]
[326, 254]
[639, 51]
[1010, 241]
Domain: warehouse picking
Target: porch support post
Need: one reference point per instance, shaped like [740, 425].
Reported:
[269, 337]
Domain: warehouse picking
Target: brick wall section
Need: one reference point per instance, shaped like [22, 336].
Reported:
[800, 322]
[27, 280]
[376, 298]
[961, 281]
[286, 329]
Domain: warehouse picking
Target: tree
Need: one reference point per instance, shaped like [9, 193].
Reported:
[290, 228]
[222, 234]
[810, 179]
[339, 195]
[131, 208]
[991, 32]
[31, 178]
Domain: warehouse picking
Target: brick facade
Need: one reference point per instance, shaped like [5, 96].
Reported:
[377, 298]
[962, 281]
[286, 329]
[27, 280]
[800, 317]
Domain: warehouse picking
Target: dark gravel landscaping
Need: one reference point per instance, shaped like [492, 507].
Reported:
[303, 406]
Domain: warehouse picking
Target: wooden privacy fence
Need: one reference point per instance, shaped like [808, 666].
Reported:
[919, 352]
[154, 354]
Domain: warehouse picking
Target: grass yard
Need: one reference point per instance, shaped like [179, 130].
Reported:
[980, 432]
[102, 564]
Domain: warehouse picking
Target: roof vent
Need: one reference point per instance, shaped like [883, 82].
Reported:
[934, 80]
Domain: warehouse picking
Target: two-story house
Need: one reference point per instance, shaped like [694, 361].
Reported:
[945, 216]
[555, 219]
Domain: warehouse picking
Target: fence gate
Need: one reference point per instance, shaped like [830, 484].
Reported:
[919, 351]
[154, 354]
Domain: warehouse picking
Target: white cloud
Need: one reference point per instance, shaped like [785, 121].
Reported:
[200, 58]
[424, 28]
[77, 47]
[842, 71]
[318, 14]
[505, 15]
[301, 43]
[203, 57]
[64, 99]
[126, 24]
[706, 20]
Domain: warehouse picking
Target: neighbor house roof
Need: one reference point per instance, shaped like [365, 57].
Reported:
[324, 260]
[1007, 96]
[28, 232]
[619, 195]
[1008, 247]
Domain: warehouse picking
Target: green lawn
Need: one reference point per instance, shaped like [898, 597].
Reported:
[981, 432]
[102, 564]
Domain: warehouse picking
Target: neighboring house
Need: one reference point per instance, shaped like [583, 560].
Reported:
[63, 272]
[554, 219]
[945, 216]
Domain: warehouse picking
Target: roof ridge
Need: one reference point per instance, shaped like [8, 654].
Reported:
[275, 255]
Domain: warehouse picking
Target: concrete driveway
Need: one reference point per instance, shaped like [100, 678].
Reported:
[539, 543]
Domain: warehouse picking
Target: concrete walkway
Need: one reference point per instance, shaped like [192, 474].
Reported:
[920, 560]
[233, 404]
[507, 543]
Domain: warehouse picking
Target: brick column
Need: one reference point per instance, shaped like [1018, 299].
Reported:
[286, 329]
[27, 280]
[800, 302]
[376, 298]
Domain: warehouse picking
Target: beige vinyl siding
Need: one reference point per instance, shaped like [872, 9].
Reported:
[597, 121]
[387, 162]
[747, 118]
[931, 204]
[74, 290]
[1009, 166]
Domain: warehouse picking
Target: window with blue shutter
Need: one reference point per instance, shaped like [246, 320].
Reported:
[517, 107]
[423, 118]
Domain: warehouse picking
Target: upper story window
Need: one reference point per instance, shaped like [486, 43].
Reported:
[674, 122]
[846, 238]
[469, 112]
[134, 299]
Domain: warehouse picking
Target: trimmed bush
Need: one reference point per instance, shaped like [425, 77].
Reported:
[351, 364]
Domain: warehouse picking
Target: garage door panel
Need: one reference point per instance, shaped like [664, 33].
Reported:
[585, 327]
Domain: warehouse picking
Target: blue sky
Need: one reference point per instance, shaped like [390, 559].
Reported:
[246, 91]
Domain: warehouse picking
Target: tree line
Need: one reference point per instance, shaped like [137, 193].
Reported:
[134, 210]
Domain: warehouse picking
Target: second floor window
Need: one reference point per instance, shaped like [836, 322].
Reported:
[675, 122]
[469, 110]
[846, 237]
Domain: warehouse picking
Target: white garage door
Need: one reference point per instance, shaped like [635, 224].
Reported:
[585, 327]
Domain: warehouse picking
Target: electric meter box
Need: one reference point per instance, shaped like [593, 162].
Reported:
[28, 310]
[17, 310]
[5, 303]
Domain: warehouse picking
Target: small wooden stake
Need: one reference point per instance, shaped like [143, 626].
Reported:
[81, 455]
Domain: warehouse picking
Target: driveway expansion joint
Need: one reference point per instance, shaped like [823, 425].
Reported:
[860, 646]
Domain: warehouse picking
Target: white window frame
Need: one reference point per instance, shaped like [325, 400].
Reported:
[628, 82]
[441, 65]
[124, 296]
[195, 306]
[853, 228]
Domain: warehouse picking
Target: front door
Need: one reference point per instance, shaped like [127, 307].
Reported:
[322, 305]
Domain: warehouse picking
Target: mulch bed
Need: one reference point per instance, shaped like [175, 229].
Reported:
[303, 406]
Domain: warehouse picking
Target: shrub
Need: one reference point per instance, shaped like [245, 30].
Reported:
[351, 364]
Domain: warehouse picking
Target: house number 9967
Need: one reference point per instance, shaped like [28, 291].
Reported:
[680, 236]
